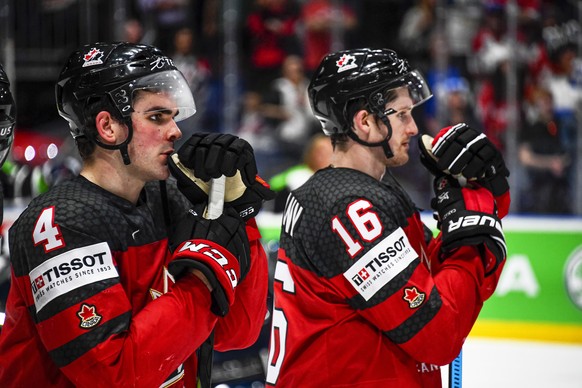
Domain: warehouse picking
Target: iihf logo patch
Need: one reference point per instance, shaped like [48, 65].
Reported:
[413, 297]
[93, 57]
[346, 62]
[89, 316]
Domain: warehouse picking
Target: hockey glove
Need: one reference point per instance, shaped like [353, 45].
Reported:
[466, 153]
[467, 216]
[214, 154]
[227, 155]
[218, 248]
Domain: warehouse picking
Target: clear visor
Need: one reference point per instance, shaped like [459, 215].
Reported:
[174, 89]
[417, 86]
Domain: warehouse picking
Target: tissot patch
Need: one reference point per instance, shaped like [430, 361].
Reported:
[71, 270]
[381, 264]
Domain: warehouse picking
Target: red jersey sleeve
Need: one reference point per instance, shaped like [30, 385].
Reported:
[247, 314]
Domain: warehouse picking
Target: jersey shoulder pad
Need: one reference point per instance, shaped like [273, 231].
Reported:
[336, 217]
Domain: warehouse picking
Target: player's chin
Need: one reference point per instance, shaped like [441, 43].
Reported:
[163, 173]
[399, 159]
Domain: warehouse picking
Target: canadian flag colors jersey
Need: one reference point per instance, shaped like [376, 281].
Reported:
[91, 292]
[355, 301]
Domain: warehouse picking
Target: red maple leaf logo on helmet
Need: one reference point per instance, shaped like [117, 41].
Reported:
[93, 57]
[346, 62]
[90, 54]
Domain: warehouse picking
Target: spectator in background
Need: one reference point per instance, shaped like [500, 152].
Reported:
[462, 20]
[298, 123]
[490, 44]
[563, 75]
[492, 103]
[196, 71]
[324, 24]
[418, 24]
[566, 91]
[547, 187]
[317, 155]
[257, 125]
[453, 100]
[164, 18]
[455, 95]
[271, 35]
[489, 67]
[133, 31]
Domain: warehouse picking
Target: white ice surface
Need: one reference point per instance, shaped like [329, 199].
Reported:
[496, 363]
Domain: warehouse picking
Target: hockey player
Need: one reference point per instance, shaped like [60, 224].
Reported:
[7, 123]
[364, 297]
[97, 299]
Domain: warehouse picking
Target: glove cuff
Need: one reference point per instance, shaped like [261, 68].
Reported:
[216, 263]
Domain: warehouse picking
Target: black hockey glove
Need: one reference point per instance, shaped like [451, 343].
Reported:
[218, 248]
[214, 154]
[464, 152]
[206, 156]
[468, 216]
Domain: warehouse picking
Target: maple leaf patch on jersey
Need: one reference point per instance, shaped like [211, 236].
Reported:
[413, 297]
[89, 316]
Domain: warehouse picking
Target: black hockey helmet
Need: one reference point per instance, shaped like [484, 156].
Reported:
[7, 116]
[117, 70]
[365, 73]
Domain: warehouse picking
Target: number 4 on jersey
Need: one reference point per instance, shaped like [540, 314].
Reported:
[46, 232]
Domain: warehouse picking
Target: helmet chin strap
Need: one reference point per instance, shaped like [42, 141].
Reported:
[122, 147]
[384, 143]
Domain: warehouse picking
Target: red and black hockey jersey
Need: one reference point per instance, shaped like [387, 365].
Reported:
[92, 304]
[355, 301]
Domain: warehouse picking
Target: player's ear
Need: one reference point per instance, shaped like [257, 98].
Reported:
[362, 122]
[105, 123]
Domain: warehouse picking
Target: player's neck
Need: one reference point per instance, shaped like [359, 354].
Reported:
[359, 158]
[117, 180]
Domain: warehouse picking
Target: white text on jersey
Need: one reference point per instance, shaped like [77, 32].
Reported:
[292, 213]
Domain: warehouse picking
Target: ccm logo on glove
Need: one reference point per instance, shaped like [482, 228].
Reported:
[214, 254]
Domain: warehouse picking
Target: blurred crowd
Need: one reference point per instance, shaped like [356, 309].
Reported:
[468, 50]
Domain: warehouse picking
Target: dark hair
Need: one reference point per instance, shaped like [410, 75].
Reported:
[86, 143]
